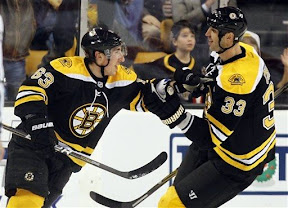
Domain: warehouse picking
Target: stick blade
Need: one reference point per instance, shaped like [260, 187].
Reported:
[149, 167]
[109, 202]
[130, 204]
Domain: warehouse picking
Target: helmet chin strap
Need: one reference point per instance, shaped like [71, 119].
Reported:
[102, 68]
[224, 49]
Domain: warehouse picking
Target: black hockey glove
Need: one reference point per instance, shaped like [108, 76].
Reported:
[160, 98]
[42, 135]
[208, 79]
[186, 80]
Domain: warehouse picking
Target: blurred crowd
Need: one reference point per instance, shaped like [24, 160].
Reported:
[49, 26]
[38, 31]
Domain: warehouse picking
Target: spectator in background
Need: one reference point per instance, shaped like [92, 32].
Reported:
[284, 59]
[154, 13]
[19, 23]
[252, 39]
[184, 42]
[2, 151]
[127, 21]
[196, 12]
[167, 8]
[56, 27]
[105, 12]
[192, 10]
[123, 17]
[277, 67]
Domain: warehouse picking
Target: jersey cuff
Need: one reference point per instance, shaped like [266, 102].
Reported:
[205, 8]
[186, 123]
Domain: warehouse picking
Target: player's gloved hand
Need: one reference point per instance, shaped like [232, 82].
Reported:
[186, 80]
[160, 98]
[42, 135]
[186, 76]
[201, 90]
[207, 80]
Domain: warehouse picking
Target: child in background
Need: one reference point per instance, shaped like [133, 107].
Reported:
[183, 39]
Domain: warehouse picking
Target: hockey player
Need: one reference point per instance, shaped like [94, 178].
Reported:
[71, 100]
[236, 135]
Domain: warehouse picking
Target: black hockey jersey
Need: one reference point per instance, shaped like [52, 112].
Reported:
[239, 121]
[79, 104]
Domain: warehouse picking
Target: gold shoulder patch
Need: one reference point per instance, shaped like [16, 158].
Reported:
[127, 70]
[242, 75]
[125, 73]
[71, 66]
[66, 62]
[236, 79]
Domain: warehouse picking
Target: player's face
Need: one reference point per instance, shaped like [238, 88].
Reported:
[116, 58]
[214, 43]
[213, 39]
[185, 41]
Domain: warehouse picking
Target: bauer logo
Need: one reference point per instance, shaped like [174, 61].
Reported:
[273, 181]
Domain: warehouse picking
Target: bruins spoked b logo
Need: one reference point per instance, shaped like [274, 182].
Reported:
[29, 176]
[85, 118]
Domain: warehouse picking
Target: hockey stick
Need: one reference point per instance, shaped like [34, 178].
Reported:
[129, 204]
[279, 91]
[133, 174]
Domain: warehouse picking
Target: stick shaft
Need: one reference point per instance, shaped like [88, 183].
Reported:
[279, 91]
[133, 174]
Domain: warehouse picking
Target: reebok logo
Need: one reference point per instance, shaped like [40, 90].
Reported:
[42, 126]
[192, 195]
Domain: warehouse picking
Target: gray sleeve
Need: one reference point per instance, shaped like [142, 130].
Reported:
[232, 3]
[188, 9]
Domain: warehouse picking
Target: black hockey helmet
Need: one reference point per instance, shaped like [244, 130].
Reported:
[103, 40]
[228, 19]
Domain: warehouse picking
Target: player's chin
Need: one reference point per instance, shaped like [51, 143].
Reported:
[212, 47]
